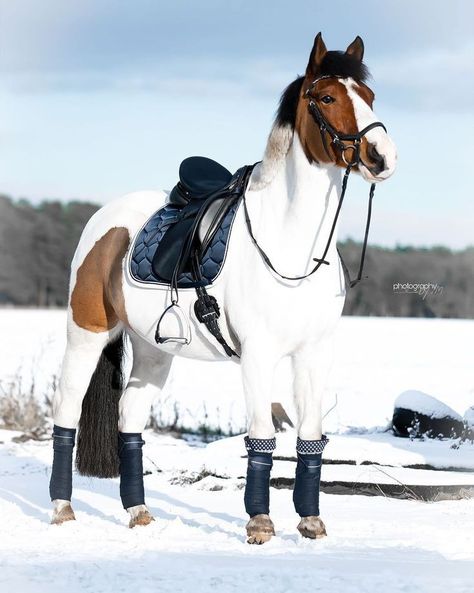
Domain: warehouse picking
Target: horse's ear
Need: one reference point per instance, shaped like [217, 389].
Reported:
[356, 49]
[317, 54]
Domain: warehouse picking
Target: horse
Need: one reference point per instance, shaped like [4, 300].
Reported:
[271, 309]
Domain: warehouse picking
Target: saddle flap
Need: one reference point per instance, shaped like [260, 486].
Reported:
[170, 248]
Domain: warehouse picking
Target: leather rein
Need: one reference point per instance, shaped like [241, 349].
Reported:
[337, 140]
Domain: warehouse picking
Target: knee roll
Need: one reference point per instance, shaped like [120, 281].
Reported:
[60, 485]
[132, 491]
[308, 476]
[257, 487]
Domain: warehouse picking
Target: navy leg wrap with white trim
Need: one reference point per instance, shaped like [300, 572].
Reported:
[60, 484]
[257, 487]
[132, 491]
[308, 476]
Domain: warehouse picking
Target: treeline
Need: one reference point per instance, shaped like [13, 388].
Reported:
[411, 282]
[37, 244]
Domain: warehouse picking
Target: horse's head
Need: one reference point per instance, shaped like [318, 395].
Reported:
[334, 117]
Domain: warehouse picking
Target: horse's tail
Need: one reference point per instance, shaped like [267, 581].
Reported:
[97, 444]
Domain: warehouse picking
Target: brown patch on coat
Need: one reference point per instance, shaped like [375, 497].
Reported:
[97, 301]
[339, 114]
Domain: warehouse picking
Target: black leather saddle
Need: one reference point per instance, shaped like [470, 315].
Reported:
[204, 194]
[199, 177]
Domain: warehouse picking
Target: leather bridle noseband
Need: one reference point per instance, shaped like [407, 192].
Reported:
[337, 139]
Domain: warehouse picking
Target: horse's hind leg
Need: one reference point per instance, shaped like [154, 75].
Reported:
[149, 373]
[83, 352]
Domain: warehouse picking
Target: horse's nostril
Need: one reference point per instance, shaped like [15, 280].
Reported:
[377, 159]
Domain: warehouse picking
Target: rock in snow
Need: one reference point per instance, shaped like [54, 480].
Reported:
[418, 414]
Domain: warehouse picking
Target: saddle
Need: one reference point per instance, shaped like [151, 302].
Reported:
[184, 243]
[204, 194]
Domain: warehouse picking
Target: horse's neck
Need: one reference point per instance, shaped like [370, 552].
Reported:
[295, 210]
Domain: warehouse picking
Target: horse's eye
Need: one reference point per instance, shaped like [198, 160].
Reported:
[327, 99]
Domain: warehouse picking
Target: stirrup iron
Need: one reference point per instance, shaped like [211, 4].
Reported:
[174, 308]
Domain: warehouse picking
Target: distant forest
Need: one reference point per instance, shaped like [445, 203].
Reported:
[37, 244]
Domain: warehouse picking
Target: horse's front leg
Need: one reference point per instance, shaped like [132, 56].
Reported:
[311, 366]
[258, 366]
[149, 373]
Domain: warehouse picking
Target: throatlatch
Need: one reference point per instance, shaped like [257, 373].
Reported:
[60, 484]
[308, 476]
[257, 487]
[132, 491]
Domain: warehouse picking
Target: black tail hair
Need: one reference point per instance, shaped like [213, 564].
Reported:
[97, 444]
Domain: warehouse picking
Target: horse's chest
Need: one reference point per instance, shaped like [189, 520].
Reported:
[289, 313]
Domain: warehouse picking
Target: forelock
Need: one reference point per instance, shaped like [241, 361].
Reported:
[338, 63]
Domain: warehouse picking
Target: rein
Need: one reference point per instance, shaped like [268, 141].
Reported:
[337, 139]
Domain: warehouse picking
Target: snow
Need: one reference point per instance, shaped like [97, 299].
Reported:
[423, 403]
[197, 542]
[469, 416]
[380, 448]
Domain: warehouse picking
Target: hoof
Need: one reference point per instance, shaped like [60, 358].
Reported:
[63, 513]
[259, 529]
[143, 518]
[312, 527]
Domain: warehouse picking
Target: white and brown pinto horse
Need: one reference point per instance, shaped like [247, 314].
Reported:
[292, 198]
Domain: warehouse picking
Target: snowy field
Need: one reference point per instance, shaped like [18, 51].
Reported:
[197, 542]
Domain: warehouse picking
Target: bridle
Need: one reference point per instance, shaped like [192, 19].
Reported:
[337, 139]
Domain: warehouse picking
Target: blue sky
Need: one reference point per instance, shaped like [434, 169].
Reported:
[102, 97]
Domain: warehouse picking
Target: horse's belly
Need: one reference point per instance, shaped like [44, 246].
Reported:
[146, 304]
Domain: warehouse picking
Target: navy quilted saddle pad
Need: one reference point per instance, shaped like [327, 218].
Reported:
[148, 239]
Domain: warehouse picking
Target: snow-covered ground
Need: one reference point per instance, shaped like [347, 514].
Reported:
[197, 542]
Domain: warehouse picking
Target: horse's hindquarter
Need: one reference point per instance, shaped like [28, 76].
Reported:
[96, 295]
